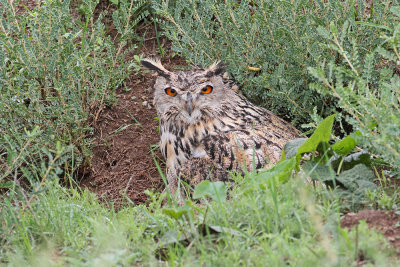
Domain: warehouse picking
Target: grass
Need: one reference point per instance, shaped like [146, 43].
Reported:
[259, 221]
[288, 226]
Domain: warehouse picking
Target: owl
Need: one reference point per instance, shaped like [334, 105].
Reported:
[209, 130]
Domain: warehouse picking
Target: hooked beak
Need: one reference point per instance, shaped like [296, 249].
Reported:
[189, 103]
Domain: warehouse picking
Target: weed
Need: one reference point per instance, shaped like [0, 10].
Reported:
[366, 85]
[57, 74]
[268, 45]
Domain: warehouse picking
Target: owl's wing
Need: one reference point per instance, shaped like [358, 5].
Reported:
[238, 149]
[235, 150]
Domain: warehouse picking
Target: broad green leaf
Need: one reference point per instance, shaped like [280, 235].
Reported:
[291, 147]
[366, 185]
[216, 229]
[281, 172]
[283, 155]
[352, 160]
[215, 190]
[353, 178]
[171, 237]
[321, 134]
[318, 172]
[356, 183]
[175, 213]
[324, 151]
[345, 146]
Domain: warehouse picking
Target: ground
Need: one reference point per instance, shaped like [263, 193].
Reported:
[122, 162]
[122, 165]
[386, 222]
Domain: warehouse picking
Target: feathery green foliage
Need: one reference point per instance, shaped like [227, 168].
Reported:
[366, 85]
[56, 74]
[268, 44]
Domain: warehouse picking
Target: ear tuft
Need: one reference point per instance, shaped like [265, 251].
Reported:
[154, 64]
[215, 69]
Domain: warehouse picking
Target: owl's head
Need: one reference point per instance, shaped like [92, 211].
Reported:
[188, 96]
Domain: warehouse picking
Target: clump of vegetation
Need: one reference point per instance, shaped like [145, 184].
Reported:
[268, 45]
[366, 85]
[271, 215]
[57, 72]
[265, 219]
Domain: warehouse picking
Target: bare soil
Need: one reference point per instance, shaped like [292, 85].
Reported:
[386, 222]
[25, 5]
[122, 165]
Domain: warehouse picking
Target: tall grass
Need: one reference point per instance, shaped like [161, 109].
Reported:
[65, 226]
[57, 72]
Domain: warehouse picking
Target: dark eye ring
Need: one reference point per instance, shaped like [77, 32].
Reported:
[170, 91]
[207, 90]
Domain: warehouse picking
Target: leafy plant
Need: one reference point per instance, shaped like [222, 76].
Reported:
[366, 85]
[335, 165]
[268, 45]
[56, 75]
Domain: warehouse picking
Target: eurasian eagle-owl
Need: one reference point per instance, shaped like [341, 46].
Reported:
[207, 129]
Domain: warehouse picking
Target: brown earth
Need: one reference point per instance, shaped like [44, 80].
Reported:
[386, 222]
[24, 5]
[122, 162]
[123, 165]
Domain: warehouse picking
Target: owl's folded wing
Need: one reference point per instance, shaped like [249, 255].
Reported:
[236, 150]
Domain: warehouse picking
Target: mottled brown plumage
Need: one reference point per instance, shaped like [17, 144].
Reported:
[207, 129]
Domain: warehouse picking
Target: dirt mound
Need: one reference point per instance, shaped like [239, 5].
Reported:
[386, 222]
[124, 134]
[122, 164]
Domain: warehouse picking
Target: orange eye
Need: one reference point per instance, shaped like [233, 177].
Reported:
[206, 90]
[170, 91]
